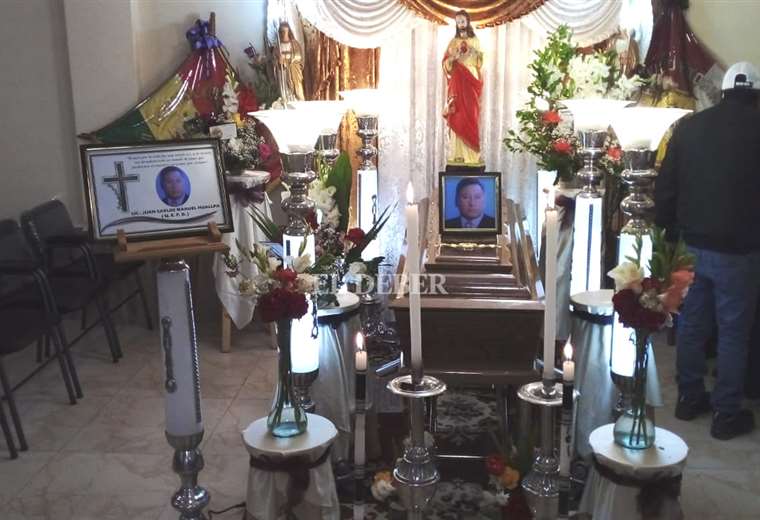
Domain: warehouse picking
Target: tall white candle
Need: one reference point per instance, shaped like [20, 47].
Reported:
[413, 272]
[550, 285]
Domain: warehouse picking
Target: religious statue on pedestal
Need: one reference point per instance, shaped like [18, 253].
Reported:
[289, 59]
[462, 64]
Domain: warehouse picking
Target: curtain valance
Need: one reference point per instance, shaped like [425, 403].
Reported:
[483, 13]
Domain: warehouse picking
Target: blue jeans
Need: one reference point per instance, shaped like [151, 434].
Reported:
[725, 290]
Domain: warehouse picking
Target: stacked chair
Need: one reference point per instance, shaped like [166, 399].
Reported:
[49, 270]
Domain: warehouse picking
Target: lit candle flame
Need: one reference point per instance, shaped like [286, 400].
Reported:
[568, 351]
[409, 193]
[359, 341]
[550, 198]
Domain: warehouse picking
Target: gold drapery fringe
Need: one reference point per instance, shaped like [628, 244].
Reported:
[483, 13]
[329, 68]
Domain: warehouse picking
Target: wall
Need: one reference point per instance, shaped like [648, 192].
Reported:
[159, 33]
[728, 28]
[37, 144]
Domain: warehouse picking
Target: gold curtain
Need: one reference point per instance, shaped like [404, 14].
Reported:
[329, 68]
[483, 13]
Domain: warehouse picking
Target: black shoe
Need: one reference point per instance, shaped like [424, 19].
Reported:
[726, 426]
[689, 408]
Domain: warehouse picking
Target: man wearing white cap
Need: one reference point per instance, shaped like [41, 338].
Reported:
[708, 191]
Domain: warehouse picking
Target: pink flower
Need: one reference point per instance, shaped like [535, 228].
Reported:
[615, 153]
[562, 146]
[551, 117]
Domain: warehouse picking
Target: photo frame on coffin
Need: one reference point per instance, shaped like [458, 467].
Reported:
[158, 190]
[469, 204]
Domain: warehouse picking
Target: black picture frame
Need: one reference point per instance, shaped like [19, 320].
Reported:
[212, 205]
[447, 182]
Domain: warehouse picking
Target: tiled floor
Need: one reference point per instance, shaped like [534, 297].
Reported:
[106, 458]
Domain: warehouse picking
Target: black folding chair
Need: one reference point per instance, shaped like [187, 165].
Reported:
[27, 311]
[70, 265]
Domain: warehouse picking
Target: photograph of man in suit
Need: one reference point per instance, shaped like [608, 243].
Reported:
[173, 181]
[470, 201]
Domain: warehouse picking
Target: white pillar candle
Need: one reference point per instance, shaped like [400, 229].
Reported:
[304, 350]
[180, 376]
[361, 354]
[413, 272]
[550, 285]
[568, 367]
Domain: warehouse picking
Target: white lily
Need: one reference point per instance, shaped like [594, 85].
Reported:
[302, 263]
[627, 275]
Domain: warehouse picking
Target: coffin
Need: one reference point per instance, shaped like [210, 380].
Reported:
[486, 329]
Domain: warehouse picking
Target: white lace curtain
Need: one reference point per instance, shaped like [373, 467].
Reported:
[412, 130]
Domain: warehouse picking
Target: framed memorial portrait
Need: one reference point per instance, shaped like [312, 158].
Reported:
[470, 204]
[155, 190]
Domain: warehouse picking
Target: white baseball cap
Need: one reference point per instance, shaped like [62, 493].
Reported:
[741, 75]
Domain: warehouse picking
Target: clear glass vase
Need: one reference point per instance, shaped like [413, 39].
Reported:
[634, 429]
[286, 418]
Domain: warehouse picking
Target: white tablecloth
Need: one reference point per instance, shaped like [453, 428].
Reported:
[605, 500]
[333, 391]
[240, 308]
[266, 498]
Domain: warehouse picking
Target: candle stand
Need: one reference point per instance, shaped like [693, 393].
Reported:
[416, 472]
[191, 499]
[367, 130]
[541, 484]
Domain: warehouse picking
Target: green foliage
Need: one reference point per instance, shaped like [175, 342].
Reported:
[638, 245]
[339, 176]
[271, 230]
[355, 253]
[668, 257]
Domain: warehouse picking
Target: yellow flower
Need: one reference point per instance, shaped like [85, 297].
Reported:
[510, 478]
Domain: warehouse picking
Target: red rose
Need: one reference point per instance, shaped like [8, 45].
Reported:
[562, 146]
[632, 314]
[551, 117]
[296, 304]
[285, 276]
[495, 465]
[271, 307]
[355, 235]
[615, 153]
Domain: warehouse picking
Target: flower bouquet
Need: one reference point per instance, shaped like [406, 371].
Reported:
[282, 295]
[646, 304]
[560, 71]
[502, 480]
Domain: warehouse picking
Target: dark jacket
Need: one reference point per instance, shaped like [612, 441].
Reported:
[487, 222]
[708, 189]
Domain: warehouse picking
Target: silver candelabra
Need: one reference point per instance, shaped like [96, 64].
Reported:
[591, 146]
[541, 484]
[639, 174]
[367, 130]
[416, 472]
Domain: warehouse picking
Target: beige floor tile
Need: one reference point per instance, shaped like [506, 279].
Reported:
[43, 507]
[15, 474]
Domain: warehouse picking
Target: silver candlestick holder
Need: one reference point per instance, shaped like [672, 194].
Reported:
[367, 130]
[298, 174]
[327, 148]
[591, 145]
[639, 174]
[416, 472]
[541, 484]
[191, 499]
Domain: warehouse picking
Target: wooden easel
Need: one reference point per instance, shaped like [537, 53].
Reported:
[126, 251]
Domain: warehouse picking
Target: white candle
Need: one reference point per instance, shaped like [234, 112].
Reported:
[361, 354]
[550, 285]
[413, 272]
[568, 367]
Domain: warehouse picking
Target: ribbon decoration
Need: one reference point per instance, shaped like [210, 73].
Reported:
[199, 36]
[297, 469]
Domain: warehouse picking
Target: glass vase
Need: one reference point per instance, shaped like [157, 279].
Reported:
[286, 418]
[634, 429]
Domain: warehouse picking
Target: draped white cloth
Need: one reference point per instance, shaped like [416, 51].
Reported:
[590, 20]
[364, 24]
[413, 134]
